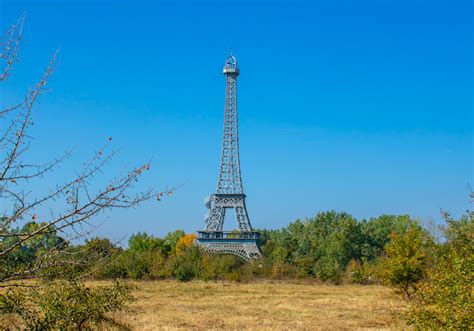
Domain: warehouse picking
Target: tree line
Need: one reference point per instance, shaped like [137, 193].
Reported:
[435, 276]
[332, 246]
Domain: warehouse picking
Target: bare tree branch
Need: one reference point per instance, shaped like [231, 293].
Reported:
[9, 45]
[76, 202]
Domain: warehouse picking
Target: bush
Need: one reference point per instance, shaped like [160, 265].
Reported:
[281, 269]
[187, 265]
[65, 304]
[136, 265]
[222, 267]
[328, 269]
[142, 242]
[171, 240]
[185, 242]
[257, 269]
[406, 260]
[444, 300]
[356, 273]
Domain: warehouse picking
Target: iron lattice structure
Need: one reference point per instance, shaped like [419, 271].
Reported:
[230, 194]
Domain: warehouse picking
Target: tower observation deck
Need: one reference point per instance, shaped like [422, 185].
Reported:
[230, 193]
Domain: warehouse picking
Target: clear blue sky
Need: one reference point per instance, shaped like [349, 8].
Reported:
[358, 106]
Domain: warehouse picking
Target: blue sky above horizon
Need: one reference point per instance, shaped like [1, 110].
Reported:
[357, 106]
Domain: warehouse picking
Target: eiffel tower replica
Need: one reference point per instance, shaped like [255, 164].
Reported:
[230, 194]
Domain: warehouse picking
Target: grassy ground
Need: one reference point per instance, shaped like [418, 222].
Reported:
[271, 306]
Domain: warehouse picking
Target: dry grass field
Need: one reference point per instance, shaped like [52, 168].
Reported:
[268, 305]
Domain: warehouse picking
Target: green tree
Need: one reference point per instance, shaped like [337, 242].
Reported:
[319, 247]
[377, 231]
[171, 239]
[444, 299]
[141, 242]
[138, 265]
[24, 256]
[101, 247]
[406, 260]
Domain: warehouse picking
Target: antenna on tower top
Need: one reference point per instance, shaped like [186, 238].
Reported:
[231, 61]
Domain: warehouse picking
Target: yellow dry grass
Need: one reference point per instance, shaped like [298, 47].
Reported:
[262, 306]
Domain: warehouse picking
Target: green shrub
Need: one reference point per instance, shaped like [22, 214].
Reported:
[116, 268]
[256, 269]
[187, 265]
[356, 273]
[281, 269]
[136, 265]
[65, 304]
[142, 242]
[222, 267]
[328, 269]
[363, 273]
[444, 300]
[171, 240]
[406, 260]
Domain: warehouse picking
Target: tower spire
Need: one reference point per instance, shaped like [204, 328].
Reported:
[230, 181]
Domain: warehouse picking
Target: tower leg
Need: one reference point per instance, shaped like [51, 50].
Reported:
[218, 210]
[216, 219]
[242, 217]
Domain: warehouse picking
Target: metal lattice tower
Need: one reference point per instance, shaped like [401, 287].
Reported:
[230, 181]
[230, 195]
